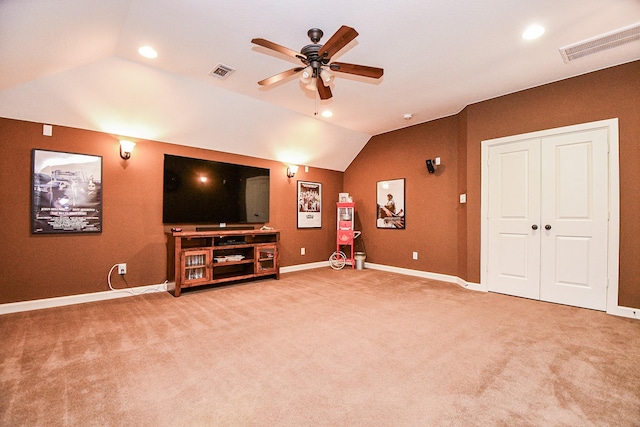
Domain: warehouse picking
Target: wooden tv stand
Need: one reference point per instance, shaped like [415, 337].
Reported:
[209, 257]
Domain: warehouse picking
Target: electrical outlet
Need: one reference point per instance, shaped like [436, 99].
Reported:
[415, 255]
[122, 268]
[302, 251]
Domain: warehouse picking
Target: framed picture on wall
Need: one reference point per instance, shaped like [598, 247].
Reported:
[66, 193]
[390, 204]
[309, 204]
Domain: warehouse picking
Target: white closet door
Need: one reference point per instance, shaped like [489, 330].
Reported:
[574, 215]
[514, 212]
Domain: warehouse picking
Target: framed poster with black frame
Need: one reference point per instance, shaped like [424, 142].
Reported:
[309, 204]
[390, 204]
[66, 193]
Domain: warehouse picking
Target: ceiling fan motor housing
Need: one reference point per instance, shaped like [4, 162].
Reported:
[314, 60]
[315, 34]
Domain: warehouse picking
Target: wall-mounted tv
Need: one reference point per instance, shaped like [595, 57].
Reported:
[200, 191]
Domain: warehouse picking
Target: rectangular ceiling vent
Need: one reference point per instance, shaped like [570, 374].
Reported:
[597, 44]
[221, 71]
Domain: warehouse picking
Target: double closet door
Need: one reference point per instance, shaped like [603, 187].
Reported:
[548, 209]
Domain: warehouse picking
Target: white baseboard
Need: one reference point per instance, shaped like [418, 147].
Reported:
[632, 313]
[426, 275]
[16, 307]
[300, 267]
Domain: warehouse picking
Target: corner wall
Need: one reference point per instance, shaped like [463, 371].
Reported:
[447, 234]
[431, 200]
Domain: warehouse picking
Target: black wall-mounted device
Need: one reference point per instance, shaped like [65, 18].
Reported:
[430, 167]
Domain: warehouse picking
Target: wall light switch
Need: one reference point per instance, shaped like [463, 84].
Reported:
[437, 161]
[415, 255]
[47, 130]
[302, 251]
[463, 198]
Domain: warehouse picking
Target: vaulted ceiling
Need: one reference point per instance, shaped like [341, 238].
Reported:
[76, 63]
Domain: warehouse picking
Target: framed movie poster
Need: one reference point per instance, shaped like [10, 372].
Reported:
[67, 193]
[309, 204]
[390, 204]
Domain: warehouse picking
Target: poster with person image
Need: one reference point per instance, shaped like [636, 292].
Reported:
[390, 204]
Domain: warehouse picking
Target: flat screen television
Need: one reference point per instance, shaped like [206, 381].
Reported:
[198, 191]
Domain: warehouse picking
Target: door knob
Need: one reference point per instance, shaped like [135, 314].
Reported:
[534, 227]
[547, 227]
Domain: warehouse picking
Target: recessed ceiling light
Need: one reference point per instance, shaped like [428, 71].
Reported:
[327, 114]
[533, 32]
[148, 52]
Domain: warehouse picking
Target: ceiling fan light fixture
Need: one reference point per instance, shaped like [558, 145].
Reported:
[306, 74]
[312, 84]
[326, 76]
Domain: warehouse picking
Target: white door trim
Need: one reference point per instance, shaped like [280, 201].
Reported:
[614, 201]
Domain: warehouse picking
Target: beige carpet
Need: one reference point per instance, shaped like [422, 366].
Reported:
[320, 348]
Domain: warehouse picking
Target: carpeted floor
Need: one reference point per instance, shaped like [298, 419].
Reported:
[320, 348]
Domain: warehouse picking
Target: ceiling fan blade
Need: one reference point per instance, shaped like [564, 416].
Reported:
[360, 70]
[276, 47]
[337, 41]
[324, 91]
[280, 76]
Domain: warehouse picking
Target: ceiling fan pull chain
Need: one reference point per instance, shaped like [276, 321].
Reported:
[315, 99]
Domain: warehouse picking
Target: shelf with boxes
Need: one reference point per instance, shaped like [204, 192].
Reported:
[209, 257]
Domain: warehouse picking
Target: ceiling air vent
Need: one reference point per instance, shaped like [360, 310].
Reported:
[597, 44]
[221, 71]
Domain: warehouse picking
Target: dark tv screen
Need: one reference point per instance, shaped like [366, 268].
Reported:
[200, 191]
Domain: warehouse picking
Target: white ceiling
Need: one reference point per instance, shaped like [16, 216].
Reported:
[75, 63]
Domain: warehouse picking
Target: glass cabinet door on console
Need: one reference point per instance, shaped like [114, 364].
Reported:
[196, 266]
[266, 259]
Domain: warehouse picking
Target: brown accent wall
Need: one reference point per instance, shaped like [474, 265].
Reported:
[45, 266]
[447, 234]
[431, 200]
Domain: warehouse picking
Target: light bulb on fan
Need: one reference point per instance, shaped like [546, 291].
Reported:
[306, 74]
[326, 76]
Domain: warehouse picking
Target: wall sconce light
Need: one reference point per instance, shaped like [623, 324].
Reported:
[432, 163]
[126, 147]
[291, 171]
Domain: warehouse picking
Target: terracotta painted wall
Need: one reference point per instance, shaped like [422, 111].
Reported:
[447, 234]
[431, 199]
[45, 266]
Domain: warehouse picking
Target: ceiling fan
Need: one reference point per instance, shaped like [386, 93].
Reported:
[317, 60]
